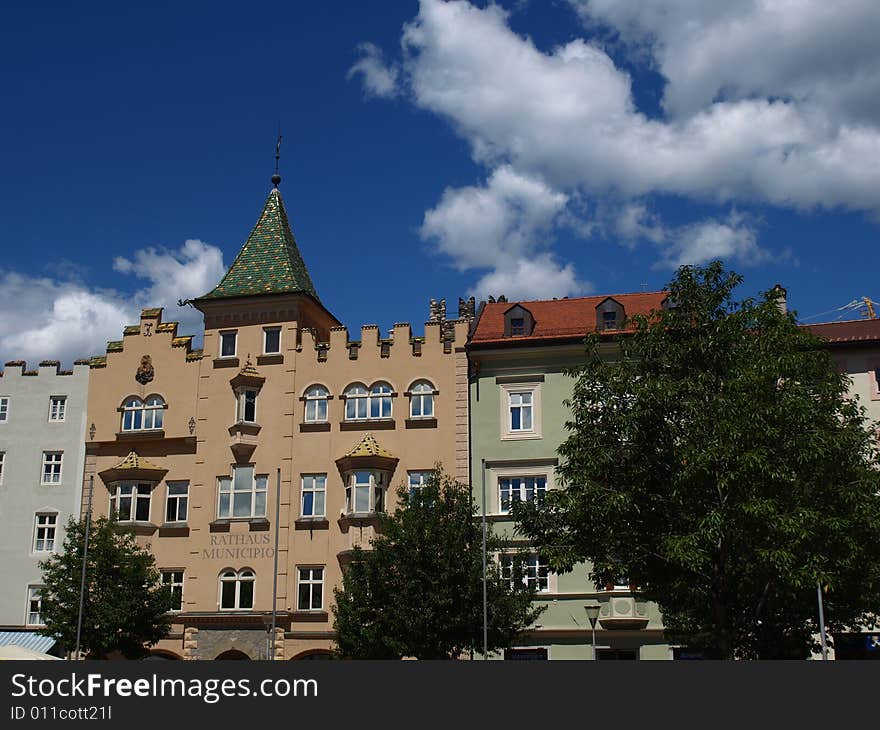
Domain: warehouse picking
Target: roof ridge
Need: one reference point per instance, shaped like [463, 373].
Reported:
[580, 299]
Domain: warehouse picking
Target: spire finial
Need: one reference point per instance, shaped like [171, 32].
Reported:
[276, 178]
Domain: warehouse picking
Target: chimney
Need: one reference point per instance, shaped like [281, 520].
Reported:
[778, 293]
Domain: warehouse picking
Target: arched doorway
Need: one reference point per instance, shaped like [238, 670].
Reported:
[233, 654]
[314, 655]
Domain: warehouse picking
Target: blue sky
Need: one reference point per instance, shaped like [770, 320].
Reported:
[431, 149]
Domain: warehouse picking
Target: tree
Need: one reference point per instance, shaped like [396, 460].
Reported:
[419, 591]
[125, 605]
[720, 464]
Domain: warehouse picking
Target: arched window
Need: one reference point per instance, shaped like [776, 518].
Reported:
[237, 589]
[138, 415]
[421, 400]
[380, 401]
[356, 402]
[316, 404]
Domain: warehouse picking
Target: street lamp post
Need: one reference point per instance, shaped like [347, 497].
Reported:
[593, 616]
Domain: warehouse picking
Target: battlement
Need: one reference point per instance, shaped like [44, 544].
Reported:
[151, 324]
[440, 337]
[19, 368]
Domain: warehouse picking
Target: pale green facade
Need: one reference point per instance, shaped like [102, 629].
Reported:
[628, 626]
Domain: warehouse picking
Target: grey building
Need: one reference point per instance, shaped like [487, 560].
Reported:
[42, 450]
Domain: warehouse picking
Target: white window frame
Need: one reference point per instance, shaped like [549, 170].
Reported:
[372, 398]
[311, 582]
[57, 408]
[506, 390]
[314, 396]
[241, 405]
[309, 484]
[376, 490]
[49, 463]
[238, 577]
[135, 497]
[258, 494]
[496, 471]
[531, 573]
[45, 526]
[417, 478]
[523, 489]
[34, 593]
[2, 465]
[153, 406]
[220, 336]
[174, 584]
[5, 409]
[421, 392]
[266, 331]
[177, 498]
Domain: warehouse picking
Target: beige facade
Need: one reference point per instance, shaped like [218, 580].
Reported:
[279, 388]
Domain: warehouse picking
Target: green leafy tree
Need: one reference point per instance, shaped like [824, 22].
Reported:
[720, 464]
[419, 591]
[125, 605]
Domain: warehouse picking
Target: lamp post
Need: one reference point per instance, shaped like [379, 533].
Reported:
[593, 616]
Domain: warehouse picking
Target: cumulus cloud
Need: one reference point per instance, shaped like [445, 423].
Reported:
[61, 318]
[733, 239]
[765, 102]
[379, 79]
[540, 277]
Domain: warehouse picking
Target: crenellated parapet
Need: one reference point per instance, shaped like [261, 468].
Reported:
[19, 368]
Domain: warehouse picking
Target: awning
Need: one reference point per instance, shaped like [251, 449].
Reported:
[27, 640]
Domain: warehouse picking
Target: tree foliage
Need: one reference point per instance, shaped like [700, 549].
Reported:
[419, 591]
[719, 463]
[125, 604]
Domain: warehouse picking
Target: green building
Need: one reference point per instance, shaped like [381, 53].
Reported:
[517, 353]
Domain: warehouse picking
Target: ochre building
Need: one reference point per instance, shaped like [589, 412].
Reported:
[189, 446]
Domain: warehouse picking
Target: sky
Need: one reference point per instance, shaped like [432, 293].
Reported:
[431, 149]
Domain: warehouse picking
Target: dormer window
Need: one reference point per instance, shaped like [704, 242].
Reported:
[518, 322]
[610, 315]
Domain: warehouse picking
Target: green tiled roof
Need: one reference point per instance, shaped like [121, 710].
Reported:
[269, 262]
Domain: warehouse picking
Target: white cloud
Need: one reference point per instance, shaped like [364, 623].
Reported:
[379, 79]
[506, 218]
[733, 239]
[812, 52]
[539, 277]
[62, 319]
[635, 222]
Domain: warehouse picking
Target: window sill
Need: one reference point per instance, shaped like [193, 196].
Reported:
[174, 529]
[521, 436]
[256, 524]
[312, 523]
[244, 428]
[421, 423]
[368, 424]
[276, 358]
[225, 362]
[139, 528]
[357, 519]
[310, 616]
[142, 435]
[314, 427]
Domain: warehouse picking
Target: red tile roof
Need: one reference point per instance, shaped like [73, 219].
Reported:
[559, 319]
[847, 332]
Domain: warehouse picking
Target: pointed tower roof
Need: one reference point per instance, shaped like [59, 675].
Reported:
[269, 262]
[366, 453]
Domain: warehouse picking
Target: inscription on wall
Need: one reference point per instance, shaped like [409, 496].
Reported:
[238, 547]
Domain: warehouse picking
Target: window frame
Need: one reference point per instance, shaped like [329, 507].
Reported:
[254, 492]
[423, 474]
[31, 590]
[54, 411]
[371, 399]
[522, 490]
[376, 491]
[177, 498]
[421, 395]
[5, 408]
[46, 526]
[505, 392]
[241, 404]
[314, 492]
[311, 399]
[220, 336]
[134, 406]
[135, 498]
[311, 583]
[173, 584]
[527, 577]
[47, 463]
[266, 331]
[238, 577]
[2, 465]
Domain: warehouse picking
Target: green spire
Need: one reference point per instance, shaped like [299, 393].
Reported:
[269, 262]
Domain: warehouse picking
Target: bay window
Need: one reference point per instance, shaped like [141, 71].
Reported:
[365, 491]
[130, 501]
